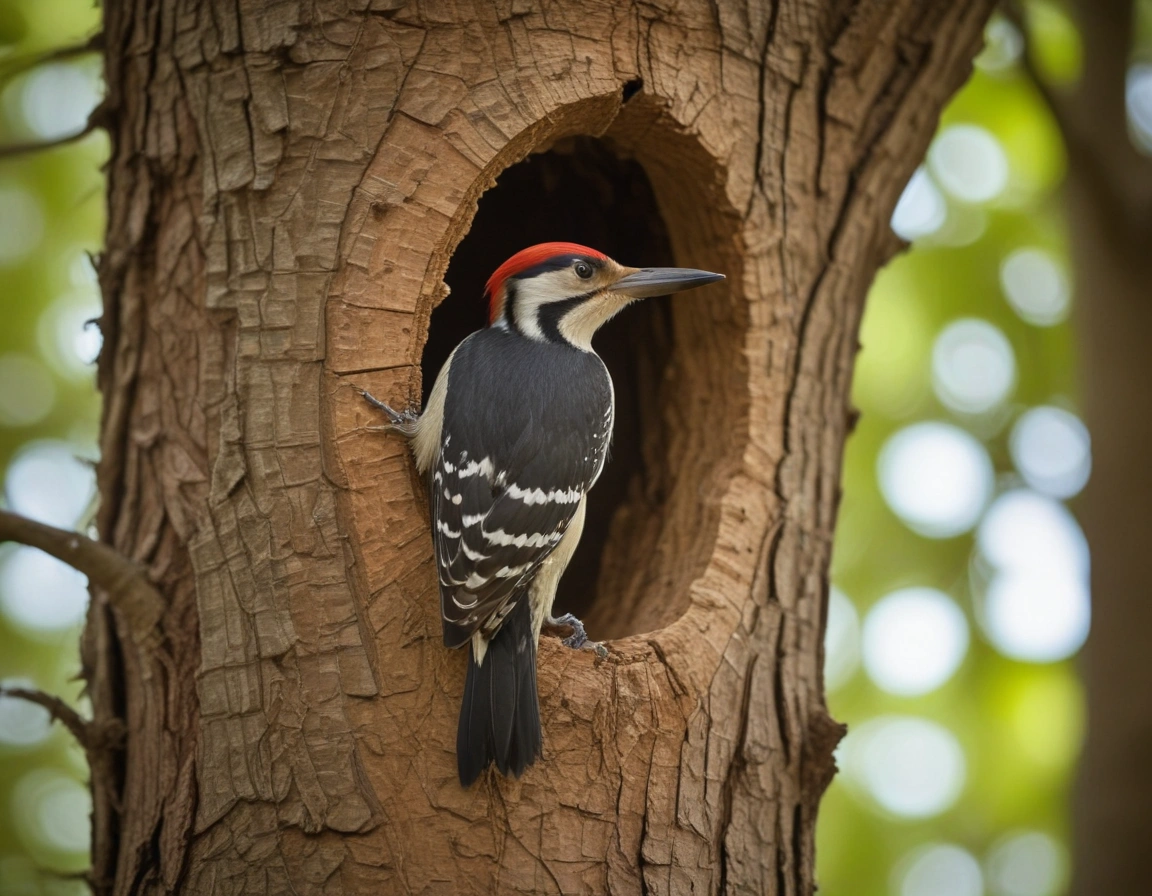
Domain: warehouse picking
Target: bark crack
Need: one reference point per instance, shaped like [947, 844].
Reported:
[762, 111]
[735, 772]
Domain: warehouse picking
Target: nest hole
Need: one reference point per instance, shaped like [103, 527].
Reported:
[582, 191]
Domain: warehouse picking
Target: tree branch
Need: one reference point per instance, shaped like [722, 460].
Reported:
[13, 67]
[89, 735]
[128, 589]
[18, 149]
[57, 709]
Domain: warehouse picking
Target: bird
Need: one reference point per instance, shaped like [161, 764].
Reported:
[514, 434]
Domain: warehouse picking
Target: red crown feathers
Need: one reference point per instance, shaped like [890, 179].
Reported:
[522, 261]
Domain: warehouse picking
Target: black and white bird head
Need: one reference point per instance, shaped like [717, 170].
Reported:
[564, 292]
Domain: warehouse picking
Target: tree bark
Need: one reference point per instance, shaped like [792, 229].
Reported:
[1110, 210]
[288, 184]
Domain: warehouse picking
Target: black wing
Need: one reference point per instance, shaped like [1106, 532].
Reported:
[516, 458]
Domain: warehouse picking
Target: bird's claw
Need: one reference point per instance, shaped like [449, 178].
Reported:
[402, 421]
[579, 637]
[575, 641]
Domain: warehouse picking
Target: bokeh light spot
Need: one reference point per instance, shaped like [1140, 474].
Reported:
[1003, 45]
[68, 335]
[1036, 607]
[965, 225]
[914, 640]
[53, 811]
[48, 482]
[82, 273]
[969, 163]
[936, 477]
[910, 766]
[1039, 615]
[973, 366]
[1025, 530]
[1052, 450]
[40, 592]
[1138, 99]
[22, 723]
[941, 869]
[922, 208]
[1036, 286]
[841, 641]
[27, 391]
[1027, 863]
[58, 98]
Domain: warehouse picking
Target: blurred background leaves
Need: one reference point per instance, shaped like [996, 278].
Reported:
[51, 218]
[960, 589]
[960, 576]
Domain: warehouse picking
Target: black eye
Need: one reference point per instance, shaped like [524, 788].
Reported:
[583, 270]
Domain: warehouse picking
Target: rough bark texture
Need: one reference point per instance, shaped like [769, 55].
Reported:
[289, 182]
[1110, 193]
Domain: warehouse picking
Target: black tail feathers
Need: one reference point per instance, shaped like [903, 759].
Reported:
[500, 714]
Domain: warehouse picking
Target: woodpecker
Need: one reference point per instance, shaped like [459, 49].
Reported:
[515, 432]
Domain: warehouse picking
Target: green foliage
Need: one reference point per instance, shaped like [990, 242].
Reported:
[1055, 41]
[1142, 38]
[52, 216]
[1018, 722]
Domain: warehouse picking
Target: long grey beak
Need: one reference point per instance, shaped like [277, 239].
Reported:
[662, 281]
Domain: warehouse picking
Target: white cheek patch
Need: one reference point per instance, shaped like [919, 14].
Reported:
[580, 324]
[543, 289]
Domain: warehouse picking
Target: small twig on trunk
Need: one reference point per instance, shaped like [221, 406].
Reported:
[18, 149]
[129, 592]
[57, 709]
[13, 67]
[92, 736]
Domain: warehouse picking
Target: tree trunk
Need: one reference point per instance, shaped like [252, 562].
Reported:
[289, 183]
[1110, 206]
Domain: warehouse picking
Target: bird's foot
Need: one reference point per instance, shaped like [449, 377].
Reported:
[579, 637]
[398, 421]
